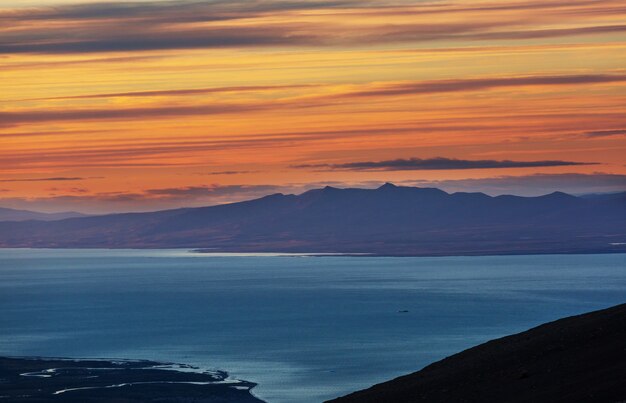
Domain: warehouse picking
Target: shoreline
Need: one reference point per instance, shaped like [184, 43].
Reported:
[35, 378]
[191, 251]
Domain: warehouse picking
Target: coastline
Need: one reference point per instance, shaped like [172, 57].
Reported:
[35, 379]
[239, 314]
[192, 251]
[374, 254]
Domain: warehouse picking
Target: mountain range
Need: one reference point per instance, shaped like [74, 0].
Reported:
[389, 220]
[9, 214]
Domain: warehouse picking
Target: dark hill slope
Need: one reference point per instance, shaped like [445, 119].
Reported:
[576, 359]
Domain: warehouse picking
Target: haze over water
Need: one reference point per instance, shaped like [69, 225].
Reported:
[305, 328]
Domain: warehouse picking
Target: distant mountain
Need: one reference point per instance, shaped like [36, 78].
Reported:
[9, 214]
[606, 196]
[576, 359]
[389, 220]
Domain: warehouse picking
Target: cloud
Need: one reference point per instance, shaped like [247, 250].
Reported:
[548, 33]
[50, 133]
[79, 199]
[172, 11]
[439, 163]
[68, 190]
[160, 198]
[38, 116]
[362, 91]
[267, 35]
[51, 179]
[214, 190]
[46, 64]
[405, 88]
[140, 26]
[133, 154]
[195, 39]
[228, 172]
[442, 86]
[606, 133]
[163, 25]
[180, 92]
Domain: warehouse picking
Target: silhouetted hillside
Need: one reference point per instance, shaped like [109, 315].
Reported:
[576, 359]
[388, 220]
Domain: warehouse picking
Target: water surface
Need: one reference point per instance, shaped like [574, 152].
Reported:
[304, 328]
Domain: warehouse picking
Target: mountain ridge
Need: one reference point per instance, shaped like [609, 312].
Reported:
[10, 214]
[395, 220]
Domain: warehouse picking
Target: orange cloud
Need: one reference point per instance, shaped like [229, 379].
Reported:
[146, 95]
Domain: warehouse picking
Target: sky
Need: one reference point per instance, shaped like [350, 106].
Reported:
[138, 106]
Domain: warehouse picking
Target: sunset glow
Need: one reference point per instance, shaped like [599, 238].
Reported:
[138, 106]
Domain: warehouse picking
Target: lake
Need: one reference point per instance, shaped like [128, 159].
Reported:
[304, 328]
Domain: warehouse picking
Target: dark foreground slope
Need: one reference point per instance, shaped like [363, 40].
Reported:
[576, 359]
[30, 380]
[389, 220]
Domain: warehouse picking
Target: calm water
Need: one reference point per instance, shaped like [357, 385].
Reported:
[304, 328]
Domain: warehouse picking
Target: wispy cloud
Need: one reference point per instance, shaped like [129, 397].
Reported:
[159, 198]
[68, 190]
[161, 25]
[440, 86]
[354, 92]
[272, 35]
[169, 11]
[606, 133]
[181, 92]
[228, 172]
[46, 64]
[80, 199]
[214, 190]
[51, 115]
[418, 164]
[49, 133]
[388, 89]
[50, 179]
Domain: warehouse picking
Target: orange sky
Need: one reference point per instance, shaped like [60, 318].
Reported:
[125, 106]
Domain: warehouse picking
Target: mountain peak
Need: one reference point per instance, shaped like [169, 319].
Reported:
[388, 186]
[328, 188]
[559, 196]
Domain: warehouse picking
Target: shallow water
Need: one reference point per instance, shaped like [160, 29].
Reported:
[305, 328]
